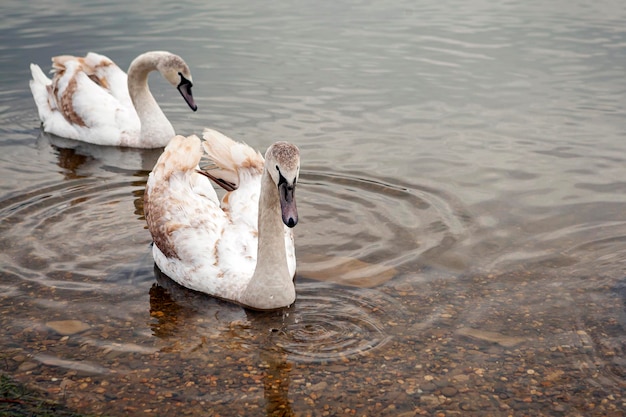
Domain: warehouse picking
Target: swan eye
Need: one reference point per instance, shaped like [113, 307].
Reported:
[277, 168]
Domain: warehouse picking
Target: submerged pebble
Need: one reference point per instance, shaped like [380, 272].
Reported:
[67, 327]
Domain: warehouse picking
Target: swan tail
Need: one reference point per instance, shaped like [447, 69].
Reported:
[38, 75]
[232, 158]
[40, 87]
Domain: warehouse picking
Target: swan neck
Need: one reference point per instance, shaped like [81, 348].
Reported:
[271, 249]
[155, 127]
[138, 73]
[271, 286]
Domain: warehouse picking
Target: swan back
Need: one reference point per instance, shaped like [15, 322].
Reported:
[72, 105]
[101, 70]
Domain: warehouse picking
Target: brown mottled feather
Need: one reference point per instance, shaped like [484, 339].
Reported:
[185, 157]
[65, 103]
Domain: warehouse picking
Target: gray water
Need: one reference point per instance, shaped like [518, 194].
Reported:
[462, 237]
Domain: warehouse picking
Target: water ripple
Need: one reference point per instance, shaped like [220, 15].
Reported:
[326, 323]
[37, 247]
[329, 323]
[371, 227]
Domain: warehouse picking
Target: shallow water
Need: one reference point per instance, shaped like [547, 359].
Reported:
[462, 236]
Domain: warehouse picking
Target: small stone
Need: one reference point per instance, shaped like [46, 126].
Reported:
[67, 327]
[27, 366]
[493, 337]
[320, 386]
[66, 383]
[467, 406]
[19, 357]
[461, 378]
[429, 400]
[428, 387]
[449, 391]
[338, 368]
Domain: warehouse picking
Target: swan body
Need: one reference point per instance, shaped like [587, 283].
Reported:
[240, 248]
[91, 99]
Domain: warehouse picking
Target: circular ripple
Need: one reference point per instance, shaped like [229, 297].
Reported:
[71, 234]
[359, 230]
[328, 323]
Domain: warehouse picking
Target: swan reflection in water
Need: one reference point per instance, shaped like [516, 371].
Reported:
[80, 159]
[195, 325]
[327, 323]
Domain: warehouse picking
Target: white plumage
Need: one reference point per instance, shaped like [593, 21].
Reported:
[91, 99]
[240, 249]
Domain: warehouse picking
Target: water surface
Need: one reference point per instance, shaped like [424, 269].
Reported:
[462, 236]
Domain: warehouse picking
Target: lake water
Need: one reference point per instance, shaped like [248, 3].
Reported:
[462, 236]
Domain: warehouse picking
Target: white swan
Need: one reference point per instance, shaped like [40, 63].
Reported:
[91, 99]
[242, 250]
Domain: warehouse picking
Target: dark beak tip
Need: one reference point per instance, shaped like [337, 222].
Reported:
[191, 103]
[290, 221]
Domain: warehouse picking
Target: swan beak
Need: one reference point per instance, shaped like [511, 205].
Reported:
[185, 90]
[288, 204]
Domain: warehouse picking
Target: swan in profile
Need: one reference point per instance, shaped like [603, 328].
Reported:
[91, 99]
[240, 249]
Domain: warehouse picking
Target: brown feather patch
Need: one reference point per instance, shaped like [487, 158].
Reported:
[101, 81]
[253, 163]
[161, 232]
[66, 104]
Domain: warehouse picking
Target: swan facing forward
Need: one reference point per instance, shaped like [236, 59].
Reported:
[241, 250]
[92, 100]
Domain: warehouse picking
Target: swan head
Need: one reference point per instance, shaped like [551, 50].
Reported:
[282, 162]
[177, 73]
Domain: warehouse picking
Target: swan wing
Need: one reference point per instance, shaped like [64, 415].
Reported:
[78, 103]
[234, 160]
[104, 72]
[195, 242]
[241, 167]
